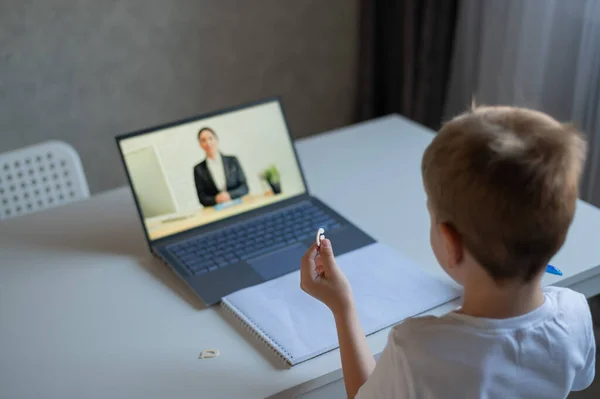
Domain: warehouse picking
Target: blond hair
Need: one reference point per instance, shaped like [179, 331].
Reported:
[506, 179]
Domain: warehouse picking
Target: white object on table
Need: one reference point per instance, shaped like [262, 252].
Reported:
[85, 311]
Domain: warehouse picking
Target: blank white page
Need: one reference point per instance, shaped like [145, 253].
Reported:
[387, 288]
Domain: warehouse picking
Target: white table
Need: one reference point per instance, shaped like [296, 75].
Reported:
[85, 311]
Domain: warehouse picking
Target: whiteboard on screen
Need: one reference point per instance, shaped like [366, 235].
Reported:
[149, 182]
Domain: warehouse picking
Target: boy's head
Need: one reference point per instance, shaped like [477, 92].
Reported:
[502, 184]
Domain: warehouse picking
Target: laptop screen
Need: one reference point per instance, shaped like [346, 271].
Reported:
[211, 168]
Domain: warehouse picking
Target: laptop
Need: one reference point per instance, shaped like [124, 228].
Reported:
[223, 200]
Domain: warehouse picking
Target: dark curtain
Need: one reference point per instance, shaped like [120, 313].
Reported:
[405, 54]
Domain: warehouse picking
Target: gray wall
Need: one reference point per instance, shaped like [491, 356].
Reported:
[84, 71]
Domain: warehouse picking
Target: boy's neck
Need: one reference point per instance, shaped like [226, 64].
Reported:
[483, 297]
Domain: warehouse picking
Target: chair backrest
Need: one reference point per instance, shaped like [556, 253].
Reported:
[40, 176]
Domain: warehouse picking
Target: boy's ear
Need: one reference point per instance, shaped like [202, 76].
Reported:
[453, 244]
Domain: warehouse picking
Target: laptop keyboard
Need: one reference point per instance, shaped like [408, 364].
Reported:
[251, 239]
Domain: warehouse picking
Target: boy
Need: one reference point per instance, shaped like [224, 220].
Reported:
[502, 184]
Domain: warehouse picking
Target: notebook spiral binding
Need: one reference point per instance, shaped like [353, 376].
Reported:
[257, 332]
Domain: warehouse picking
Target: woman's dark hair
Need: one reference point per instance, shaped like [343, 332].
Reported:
[205, 129]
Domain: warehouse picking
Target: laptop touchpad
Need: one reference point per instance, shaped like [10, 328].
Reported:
[278, 263]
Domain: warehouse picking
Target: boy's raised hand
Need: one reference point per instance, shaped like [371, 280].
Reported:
[321, 278]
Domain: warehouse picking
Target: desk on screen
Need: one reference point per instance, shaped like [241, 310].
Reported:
[174, 223]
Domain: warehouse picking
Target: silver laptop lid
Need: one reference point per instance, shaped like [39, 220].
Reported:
[209, 168]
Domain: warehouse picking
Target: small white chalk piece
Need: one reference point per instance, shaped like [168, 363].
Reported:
[209, 354]
[320, 236]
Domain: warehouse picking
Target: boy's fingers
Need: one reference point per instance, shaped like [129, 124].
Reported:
[326, 252]
[307, 265]
[311, 253]
[304, 274]
[327, 257]
[307, 276]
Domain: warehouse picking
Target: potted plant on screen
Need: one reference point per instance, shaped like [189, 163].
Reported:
[271, 176]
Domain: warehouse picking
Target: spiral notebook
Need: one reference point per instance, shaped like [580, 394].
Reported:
[387, 288]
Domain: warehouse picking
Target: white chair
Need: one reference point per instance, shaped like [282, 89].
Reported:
[40, 176]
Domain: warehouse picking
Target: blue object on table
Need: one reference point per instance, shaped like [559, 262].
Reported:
[553, 270]
[228, 204]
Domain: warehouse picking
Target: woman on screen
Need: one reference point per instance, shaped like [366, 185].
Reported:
[219, 178]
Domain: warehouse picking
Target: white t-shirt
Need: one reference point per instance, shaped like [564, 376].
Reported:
[217, 171]
[543, 354]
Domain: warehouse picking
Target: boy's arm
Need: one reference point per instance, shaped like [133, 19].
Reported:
[322, 278]
[357, 361]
